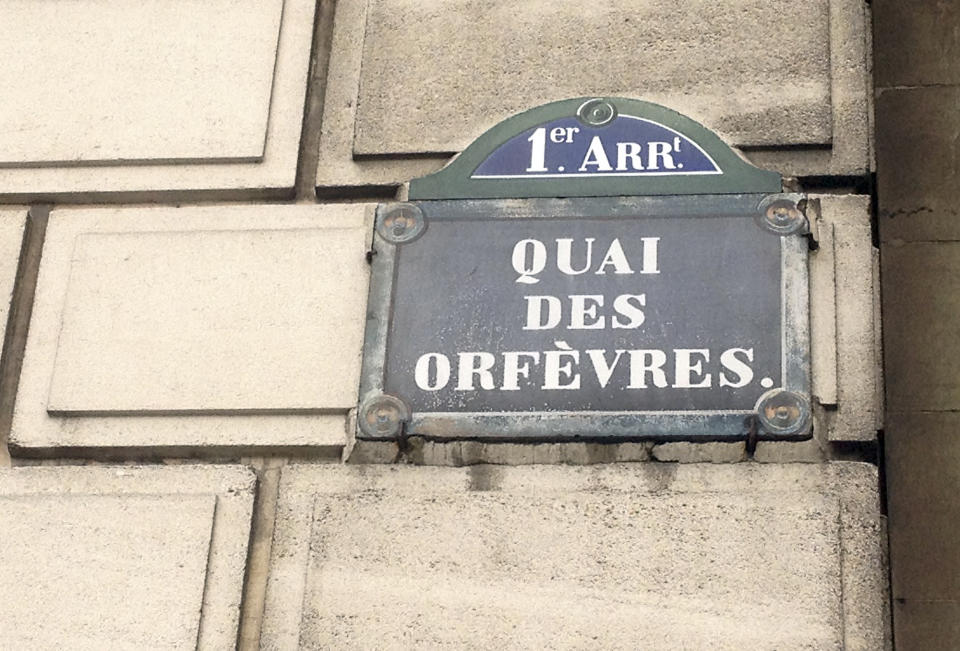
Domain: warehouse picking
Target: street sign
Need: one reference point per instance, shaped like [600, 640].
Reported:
[652, 316]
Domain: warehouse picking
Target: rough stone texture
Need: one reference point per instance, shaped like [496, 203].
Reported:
[700, 452]
[203, 326]
[394, 54]
[601, 556]
[921, 302]
[808, 451]
[923, 470]
[12, 223]
[123, 557]
[920, 43]
[659, 51]
[917, 163]
[83, 542]
[200, 95]
[467, 453]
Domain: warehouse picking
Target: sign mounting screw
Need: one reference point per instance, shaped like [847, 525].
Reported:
[781, 214]
[383, 416]
[783, 412]
[400, 223]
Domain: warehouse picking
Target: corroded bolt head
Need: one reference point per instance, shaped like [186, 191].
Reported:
[783, 412]
[383, 416]
[401, 222]
[781, 214]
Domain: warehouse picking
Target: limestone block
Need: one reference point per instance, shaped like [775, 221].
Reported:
[808, 451]
[206, 326]
[408, 79]
[133, 97]
[12, 223]
[844, 302]
[916, 163]
[923, 478]
[684, 452]
[921, 304]
[743, 556]
[927, 625]
[920, 43]
[123, 557]
[419, 451]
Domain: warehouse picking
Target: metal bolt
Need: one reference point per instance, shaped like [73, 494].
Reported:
[401, 223]
[780, 214]
[383, 416]
[783, 412]
[596, 112]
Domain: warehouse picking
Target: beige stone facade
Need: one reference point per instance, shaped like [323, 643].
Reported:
[189, 192]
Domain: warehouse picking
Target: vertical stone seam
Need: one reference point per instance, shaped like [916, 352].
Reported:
[18, 320]
[258, 553]
[309, 154]
[870, 94]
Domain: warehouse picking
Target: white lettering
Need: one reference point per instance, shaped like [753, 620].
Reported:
[553, 369]
[441, 374]
[629, 150]
[565, 255]
[684, 368]
[603, 370]
[643, 362]
[661, 151]
[730, 362]
[529, 259]
[513, 370]
[475, 364]
[616, 258]
[624, 306]
[535, 312]
[538, 150]
[579, 309]
[596, 156]
[651, 255]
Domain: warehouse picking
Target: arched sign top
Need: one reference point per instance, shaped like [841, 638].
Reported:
[593, 147]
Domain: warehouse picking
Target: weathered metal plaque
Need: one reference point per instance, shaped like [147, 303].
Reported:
[664, 316]
[647, 317]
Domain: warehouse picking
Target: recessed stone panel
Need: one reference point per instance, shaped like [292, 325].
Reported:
[218, 325]
[123, 557]
[425, 86]
[188, 80]
[149, 96]
[409, 85]
[547, 557]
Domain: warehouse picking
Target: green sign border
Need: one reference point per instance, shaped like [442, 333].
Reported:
[454, 182]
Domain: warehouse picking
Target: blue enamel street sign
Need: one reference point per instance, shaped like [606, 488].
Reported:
[620, 312]
[627, 146]
[594, 148]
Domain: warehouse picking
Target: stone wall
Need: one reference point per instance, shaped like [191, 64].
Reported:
[918, 88]
[188, 193]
